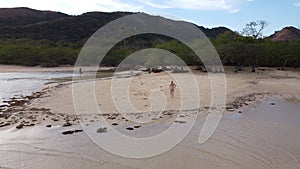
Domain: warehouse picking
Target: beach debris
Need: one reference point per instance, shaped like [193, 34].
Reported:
[71, 132]
[102, 130]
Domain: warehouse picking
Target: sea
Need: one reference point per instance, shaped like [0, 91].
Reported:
[20, 84]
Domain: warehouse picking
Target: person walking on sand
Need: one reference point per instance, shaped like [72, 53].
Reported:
[172, 87]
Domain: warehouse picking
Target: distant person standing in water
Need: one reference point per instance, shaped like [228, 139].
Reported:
[172, 87]
[80, 71]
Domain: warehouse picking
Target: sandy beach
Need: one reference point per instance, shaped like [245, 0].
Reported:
[44, 127]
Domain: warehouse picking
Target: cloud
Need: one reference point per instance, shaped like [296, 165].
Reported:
[195, 4]
[297, 4]
[234, 11]
[80, 6]
[74, 7]
[154, 5]
[117, 5]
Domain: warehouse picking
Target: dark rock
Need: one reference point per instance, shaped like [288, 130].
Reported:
[273, 104]
[19, 126]
[71, 132]
[129, 128]
[115, 124]
[49, 125]
[240, 112]
[6, 124]
[111, 118]
[181, 122]
[67, 125]
[28, 125]
[102, 130]
[137, 126]
[67, 132]
[77, 131]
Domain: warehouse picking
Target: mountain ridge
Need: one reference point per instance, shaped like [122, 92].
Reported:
[33, 24]
[289, 33]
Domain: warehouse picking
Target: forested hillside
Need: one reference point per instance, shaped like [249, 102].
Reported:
[31, 37]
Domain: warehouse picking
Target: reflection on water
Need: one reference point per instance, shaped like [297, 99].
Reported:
[266, 137]
[23, 84]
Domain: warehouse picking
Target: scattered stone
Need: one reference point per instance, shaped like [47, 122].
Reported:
[2, 115]
[71, 132]
[115, 124]
[236, 106]
[102, 130]
[67, 125]
[138, 126]
[240, 112]
[273, 104]
[55, 119]
[5, 124]
[28, 125]
[111, 118]
[229, 108]
[49, 125]
[178, 121]
[67, 132]
[77, 131]
[129, 128]
[19, 126]
[168, 113]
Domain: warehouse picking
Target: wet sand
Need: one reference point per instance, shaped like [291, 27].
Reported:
[241, 141]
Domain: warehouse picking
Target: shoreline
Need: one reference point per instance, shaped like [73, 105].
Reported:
[38, 113]
[47, 133]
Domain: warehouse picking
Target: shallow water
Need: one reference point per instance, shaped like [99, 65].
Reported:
[265, 137]
[24, 83]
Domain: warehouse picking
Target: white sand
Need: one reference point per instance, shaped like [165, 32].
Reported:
[238, 85]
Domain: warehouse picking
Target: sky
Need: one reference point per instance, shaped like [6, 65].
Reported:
[234, 14]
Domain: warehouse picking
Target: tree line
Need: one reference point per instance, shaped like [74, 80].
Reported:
[233, 49]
